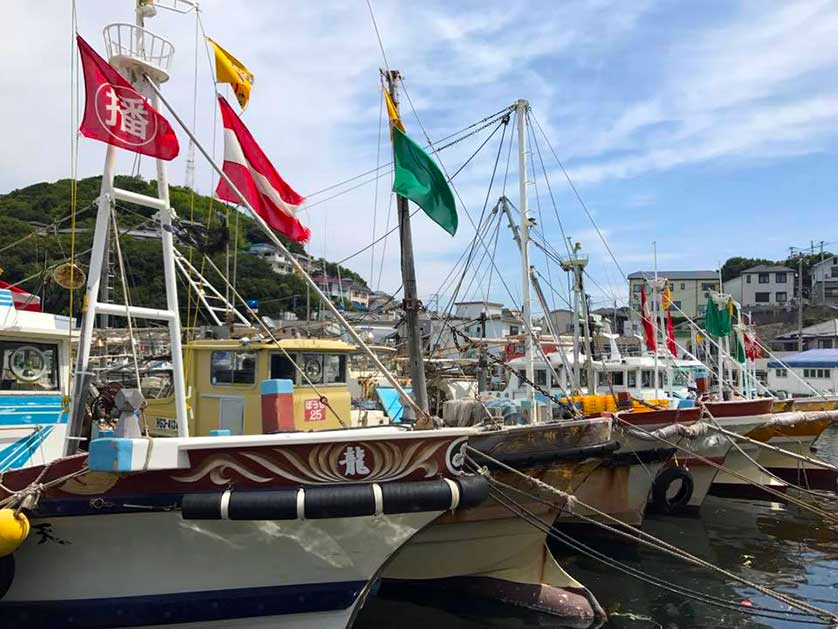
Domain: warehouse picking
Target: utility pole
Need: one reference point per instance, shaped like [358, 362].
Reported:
[800, 302]
[410, 303]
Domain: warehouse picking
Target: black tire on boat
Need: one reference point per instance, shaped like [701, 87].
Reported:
[660, 490]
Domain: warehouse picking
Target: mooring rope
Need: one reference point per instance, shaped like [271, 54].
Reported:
[643, 537]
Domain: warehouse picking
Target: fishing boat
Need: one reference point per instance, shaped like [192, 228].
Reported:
[243, 531]
[34, 389]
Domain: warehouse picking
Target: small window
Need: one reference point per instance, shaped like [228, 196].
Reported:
[835, 271]
[781, 373]
[602, 379]
[825, 343]
[233, 368]
[708, 286]
[312, 365]
[780, 297]
[513, 330]
[807, 373]
[631, 381]
[748, 279]
[677, 304]
[282, 367]
[762, 298]
[764, 278]
[647, 379]
[683, 286]
[541, 377]
[334, 368]
[780, 278]
[29, 366]
[617, 378]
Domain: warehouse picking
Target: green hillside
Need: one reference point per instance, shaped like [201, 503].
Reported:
[35, 237]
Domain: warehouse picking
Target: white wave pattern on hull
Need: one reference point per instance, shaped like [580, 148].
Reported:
[100, 558]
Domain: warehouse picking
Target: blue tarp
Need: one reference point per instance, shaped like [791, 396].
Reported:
[823, 358]
[391, 403]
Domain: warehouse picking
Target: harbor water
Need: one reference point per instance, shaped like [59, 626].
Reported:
[772, 544]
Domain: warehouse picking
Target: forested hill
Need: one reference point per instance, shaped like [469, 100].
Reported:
[36, 235]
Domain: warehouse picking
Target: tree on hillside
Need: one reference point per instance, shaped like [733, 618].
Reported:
[733, 267]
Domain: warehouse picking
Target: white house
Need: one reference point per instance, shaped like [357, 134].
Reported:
[763, 285]
[825, 281]
[817, 368]
[279, 263]
[823, 335]
[689, 289]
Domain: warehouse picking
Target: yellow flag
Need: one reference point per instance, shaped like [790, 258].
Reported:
[666, 300]
[230, 70]
[391, 111]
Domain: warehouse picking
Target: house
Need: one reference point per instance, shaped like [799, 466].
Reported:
[825, 281]
[500, 321]
[763, 285]
[823, 335]
[562, 321]
[690, 290]
[279, 263]
[345, 290]
[798, 374]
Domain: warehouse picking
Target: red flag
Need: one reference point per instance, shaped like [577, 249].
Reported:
[648, 328]
[670, 335]
[252, 173]
[753, 349]
[116, 113]
[21, 299]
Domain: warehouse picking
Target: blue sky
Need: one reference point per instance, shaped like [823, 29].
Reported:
[708, 127]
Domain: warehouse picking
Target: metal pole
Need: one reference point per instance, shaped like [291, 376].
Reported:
[522, 107]
[655, 314]
[589, 341]
[423, 420]
[94, 276]
[800, 302]
[410, 303]
[170, 277]
[482, 364]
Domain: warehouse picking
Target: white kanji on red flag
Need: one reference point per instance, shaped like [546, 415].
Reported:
[118, 114]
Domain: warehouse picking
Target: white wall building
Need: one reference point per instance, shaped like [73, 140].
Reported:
[763, 285]
[818, 368]
[825, 281]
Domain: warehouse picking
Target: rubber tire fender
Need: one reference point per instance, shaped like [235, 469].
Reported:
[663, 482]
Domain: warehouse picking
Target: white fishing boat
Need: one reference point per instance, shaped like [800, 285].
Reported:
[232, 531]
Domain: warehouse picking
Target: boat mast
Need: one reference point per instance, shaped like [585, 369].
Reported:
[137, 68]
[575, 265]
[655, 303]
[521, 108]
[410, 304]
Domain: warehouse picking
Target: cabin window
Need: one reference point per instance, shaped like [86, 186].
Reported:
[631, 380]
[680, 378]
[334, 368]
[617, 378]
[583, 378]
[602, 379]
[647, 379]
[233, 368]
[541, 377]
[781, 373]
[29, 366]
[282, 367]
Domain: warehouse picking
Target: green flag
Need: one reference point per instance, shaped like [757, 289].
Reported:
[419, 179]
[739, 346]
[716, 320]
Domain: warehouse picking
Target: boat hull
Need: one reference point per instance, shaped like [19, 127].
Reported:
[150, 569]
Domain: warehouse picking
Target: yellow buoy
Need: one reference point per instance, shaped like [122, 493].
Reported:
[13, 530]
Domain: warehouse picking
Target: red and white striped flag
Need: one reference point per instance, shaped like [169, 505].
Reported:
[252, 173]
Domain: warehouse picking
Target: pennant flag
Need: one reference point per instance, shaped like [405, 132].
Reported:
[717, 320]
[21, 299]
[116, 113]
[670, 335]
[739, 345]
[666, 298]
[252, 173]
[648, 328]
[753, 349]
[392, 113]
[418, 178]
[230, 70]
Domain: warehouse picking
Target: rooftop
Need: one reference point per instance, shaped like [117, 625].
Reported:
[675, 275]
[768, 268]
[823, 358]
[824, 328]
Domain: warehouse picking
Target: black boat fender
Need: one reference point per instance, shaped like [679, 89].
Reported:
[660, 489]
[337, 501]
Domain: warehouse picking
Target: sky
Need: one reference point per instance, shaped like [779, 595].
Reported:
[710, 129]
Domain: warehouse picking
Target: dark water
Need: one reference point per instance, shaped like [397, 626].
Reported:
[772, 544]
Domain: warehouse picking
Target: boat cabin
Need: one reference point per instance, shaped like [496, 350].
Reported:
[224, 385]
[34, 384]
